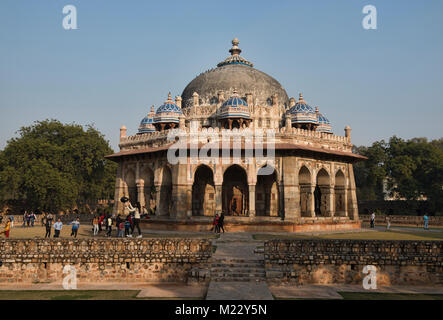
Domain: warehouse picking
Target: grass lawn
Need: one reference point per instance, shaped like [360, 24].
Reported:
[389, 296]
[85, 231]
[372, 235]
[77, 295]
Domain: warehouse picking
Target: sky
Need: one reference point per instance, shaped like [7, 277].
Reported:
[127, 55]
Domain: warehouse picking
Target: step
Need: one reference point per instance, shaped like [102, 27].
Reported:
[238, 269]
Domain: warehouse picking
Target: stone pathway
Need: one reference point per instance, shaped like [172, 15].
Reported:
[237, 271]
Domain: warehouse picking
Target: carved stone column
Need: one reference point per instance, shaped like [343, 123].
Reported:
[252, 200]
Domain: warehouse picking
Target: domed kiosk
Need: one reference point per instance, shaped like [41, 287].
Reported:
[266, 162]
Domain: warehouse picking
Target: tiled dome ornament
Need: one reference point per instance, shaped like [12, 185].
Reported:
[147, 124]
[167, 115]
[303, 115]
[234, 112]
[323, 123]
[235, 57]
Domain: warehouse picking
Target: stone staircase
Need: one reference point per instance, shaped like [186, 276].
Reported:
[237, 269]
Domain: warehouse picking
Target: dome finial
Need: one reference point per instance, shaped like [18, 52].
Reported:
[235, 50]
[300, 97]
[169, 96]
[316, 110]
[152, 108]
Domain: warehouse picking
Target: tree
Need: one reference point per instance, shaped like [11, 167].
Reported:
[54, 166]
[411, 169]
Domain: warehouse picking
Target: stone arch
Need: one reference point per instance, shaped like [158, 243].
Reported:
[203, 192]
[304, 180]
[235, 191]
[147, 179]
[323, 183]
[165, 204]
[267, 195]
[340, 194]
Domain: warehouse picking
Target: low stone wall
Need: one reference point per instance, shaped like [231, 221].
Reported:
[405, 220]
[257, 224]
[66, 218]
[101, 260]
[342, 261]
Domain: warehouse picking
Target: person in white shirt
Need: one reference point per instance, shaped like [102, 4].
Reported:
[57, 228]
[136, 211]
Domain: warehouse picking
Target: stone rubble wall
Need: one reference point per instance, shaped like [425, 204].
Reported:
[406, 220]
[101, 260]
[342, 261]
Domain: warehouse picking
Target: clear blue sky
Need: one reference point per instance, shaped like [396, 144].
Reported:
[127, 55]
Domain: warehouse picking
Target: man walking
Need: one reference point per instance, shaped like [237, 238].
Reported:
[48, 225]
[75, 227]
[57, 228]
[373, 220]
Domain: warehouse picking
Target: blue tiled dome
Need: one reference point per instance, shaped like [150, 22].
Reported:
[147, 124]
[302, 113]
[234, 107]
[323, 124]
[168, 112]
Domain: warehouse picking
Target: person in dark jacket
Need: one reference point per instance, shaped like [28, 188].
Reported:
[221, 221]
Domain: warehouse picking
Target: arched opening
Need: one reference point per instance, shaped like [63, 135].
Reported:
[321, 193]
[165, 205]
[203, 192]
[340, 194]
[267, 194]
[304, 180]
[235, 192]
[132, 186]
[147, 177]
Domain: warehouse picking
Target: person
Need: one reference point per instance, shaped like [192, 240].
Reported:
[57, 228]
[48, 225]
[24, 219]
[32, 217]
[108, 225]
[117, 224]
[388, 223]
[373, 220]
[215, 223]
[101, 222]
[221, 221]
[426, 221]
[127, 226]
[95, 225]
[7, 228]
[137, 210]
[28, 219]
[121, 228]
[75, 227]
[11, 219]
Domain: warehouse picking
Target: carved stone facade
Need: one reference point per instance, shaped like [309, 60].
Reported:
[311, 176]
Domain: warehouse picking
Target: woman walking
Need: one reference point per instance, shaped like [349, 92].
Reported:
[137, 213]
[95, 225]
[75, 227]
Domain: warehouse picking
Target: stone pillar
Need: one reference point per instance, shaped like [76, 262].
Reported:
[119, 190]
[252, 200]
[157, 199]
[311, 200]
[328, 196]
[291, 192]
[141, 192]
[218, 199]
[122, 133]
[352, 206]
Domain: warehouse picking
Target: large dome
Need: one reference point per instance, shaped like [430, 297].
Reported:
[234, 73]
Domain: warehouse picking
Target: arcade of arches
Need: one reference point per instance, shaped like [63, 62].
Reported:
[318, 192]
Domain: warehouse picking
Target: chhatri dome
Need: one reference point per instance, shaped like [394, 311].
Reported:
[147, 124]
[234, 72]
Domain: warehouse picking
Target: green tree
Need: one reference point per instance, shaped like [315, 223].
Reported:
[55, 166]
[411, 169]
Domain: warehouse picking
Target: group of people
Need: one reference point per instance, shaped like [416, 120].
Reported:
[49, 223]
[388, 221]
[125, 225]
[218, 223]
[29, 219]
